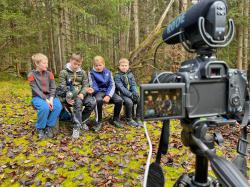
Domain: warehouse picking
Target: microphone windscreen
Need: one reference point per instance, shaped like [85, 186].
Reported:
[187, 21]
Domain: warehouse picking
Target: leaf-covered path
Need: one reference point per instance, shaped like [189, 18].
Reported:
[112, 157]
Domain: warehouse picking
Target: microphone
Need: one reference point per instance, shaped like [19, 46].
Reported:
[186, 27]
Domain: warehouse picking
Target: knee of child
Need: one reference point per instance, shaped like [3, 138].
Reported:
[45, 108]
[92, 103]
[128, 102]
[119, 101]
[58, 106]
[99, 100]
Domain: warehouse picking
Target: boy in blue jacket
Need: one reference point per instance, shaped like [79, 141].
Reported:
[103, 84]
[127, 88]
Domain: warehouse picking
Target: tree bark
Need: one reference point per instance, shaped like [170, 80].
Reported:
[136, 24]
[240, 41]
[245, 31]
[151, 38]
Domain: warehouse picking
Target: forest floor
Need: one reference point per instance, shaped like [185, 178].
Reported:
[111, 157]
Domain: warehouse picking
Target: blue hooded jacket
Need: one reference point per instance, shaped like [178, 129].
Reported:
[102, 82]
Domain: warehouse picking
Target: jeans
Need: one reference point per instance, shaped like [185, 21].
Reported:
[45, 117]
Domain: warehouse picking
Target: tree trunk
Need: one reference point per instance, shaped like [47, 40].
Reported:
[122, 36]
[240, 41]
[151, 38]
[61, 36]
[128, 30]
[245, 31]
[136, 24]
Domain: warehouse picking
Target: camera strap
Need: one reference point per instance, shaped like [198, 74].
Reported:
[242, 146]
[242, 142]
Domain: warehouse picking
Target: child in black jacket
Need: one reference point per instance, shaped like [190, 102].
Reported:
[127, 88]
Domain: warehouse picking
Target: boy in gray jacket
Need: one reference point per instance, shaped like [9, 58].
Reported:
[43, 96]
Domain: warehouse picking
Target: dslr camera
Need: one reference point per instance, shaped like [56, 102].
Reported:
[204, 93]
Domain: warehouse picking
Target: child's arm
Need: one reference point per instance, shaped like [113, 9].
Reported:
[93, 82]
[34, 87]
[111, 87]
[52, 87]
[121, 87]
[133, 85]
[85, 84]
[62, 79]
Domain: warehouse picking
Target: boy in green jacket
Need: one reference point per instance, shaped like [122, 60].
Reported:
[79, 94]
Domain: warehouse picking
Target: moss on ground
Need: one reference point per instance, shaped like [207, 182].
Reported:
[115, 156]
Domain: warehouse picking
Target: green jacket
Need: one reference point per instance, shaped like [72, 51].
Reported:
[79, 79]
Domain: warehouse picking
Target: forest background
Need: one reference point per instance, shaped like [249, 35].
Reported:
[113, 29]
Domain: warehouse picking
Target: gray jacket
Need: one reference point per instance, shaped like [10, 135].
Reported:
[42, 84]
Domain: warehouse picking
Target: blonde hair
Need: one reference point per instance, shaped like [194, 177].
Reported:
[77, 57]
[123, 60]
[37, 57]
[99, 59]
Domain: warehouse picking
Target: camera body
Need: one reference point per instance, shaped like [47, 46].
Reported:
[204, 93]
[211, 87]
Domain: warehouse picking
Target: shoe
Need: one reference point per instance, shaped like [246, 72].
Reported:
[49, 132]
[84, 127]
[131, 122]
[76, 133]
[139, 123]
[97, 126]
[41, 134]
[116, 123]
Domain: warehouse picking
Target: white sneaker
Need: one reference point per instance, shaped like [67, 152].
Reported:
[76, 133]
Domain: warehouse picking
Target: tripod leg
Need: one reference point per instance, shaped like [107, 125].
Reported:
[164, 140]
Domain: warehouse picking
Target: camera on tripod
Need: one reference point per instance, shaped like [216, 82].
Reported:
[204, 93]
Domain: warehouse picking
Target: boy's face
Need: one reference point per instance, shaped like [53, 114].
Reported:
[42, 65]
[74, 64]
[99, 66]
[123, 67]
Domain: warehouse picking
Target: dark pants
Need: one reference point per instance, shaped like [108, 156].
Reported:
[115, 99]
[80, 116]
[130, 108]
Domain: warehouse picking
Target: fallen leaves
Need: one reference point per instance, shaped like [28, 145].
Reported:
[113, 157]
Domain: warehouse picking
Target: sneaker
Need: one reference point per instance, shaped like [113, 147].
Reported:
[76, 133]
[41, 134]
[131, 122]
[49, 132]
[84, 127]
[97, 126]
[116, 123]
[139, 122]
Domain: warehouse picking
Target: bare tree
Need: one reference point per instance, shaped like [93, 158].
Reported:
[246, 35]
[136, 24]
[240, 40]
[151, 38]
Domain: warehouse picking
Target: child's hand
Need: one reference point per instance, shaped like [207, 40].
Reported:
[50, 104]
[81, 96]
[89, 90]
[106, 99]
[135, 96]
[71, 102]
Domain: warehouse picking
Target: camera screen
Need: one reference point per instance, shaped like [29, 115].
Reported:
[162, 101]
